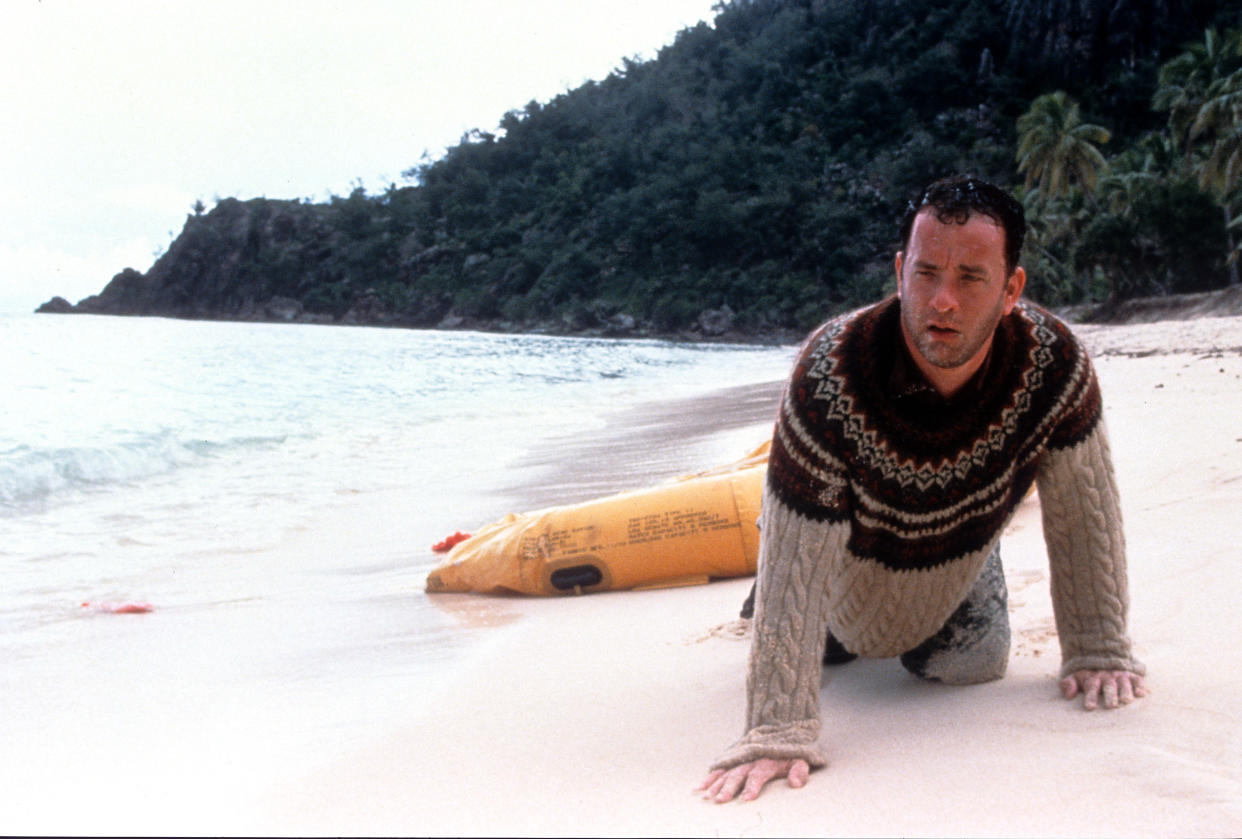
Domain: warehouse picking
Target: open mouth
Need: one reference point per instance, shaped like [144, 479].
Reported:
[941, 331]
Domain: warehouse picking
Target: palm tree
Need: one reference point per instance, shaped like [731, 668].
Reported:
[1184, 80]
[1119, 191]
[1051, 229]
[1200, 90]
[1132, 173]
[1056, 148]
[1220, 119]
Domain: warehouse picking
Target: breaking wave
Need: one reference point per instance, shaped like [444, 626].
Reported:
[30, 476]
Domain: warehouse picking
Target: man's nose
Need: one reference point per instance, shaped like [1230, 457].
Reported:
[945, 297]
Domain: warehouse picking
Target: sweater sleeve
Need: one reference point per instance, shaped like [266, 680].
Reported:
[791, 620]
[1086, 553]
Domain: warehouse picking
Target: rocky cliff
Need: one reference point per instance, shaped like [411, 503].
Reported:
[295, 262]
[245, 260]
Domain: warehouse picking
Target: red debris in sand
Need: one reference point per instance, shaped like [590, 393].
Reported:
[449, 542]
[120, 608]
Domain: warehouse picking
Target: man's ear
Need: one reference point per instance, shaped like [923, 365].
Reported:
[1013, 288]
[897, 270]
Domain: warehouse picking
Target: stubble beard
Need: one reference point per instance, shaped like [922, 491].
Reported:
[953, 353]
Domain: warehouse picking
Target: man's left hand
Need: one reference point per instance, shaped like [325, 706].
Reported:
[1113, 687]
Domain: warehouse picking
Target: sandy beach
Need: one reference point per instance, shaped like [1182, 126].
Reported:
[598, 715]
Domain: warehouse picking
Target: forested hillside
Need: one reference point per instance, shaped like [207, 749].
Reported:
[749, 180]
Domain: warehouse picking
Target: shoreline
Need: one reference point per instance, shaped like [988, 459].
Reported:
[1222, 302]
[732, 337]
[647, 444]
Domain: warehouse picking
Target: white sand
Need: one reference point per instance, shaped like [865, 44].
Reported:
[598, 715]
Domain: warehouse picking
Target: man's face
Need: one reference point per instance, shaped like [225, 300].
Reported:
[954, 289]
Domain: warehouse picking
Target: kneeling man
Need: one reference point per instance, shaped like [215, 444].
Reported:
[908, 433]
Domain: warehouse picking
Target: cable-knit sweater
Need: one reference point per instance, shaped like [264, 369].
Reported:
[879, 511]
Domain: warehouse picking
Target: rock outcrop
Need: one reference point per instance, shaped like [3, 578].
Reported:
[347, 262]
[56, 306]
[244, 260]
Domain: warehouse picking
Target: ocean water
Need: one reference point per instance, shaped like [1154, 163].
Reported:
[271, 491]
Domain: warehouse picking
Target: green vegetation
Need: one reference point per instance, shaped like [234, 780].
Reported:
[762, 164]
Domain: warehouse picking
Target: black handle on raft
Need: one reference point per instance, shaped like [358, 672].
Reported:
[576, 576]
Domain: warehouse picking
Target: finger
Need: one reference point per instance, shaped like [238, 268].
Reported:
[798, 773]
[1108, 682]
[1126, 686]
[1132, 686]
[1091, 692]
[711, 779]
[1069, 687]
[717, 779]
[732, 782]
[763, 771]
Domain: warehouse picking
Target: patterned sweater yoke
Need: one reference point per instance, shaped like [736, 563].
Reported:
[881, 508]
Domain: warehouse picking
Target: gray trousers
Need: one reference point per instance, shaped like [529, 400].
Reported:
[971, 647]
[973, 644]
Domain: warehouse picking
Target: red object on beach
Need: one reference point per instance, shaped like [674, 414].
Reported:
[449, 542]
[120, 608]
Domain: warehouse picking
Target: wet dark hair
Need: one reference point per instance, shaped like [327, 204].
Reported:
[953, 199]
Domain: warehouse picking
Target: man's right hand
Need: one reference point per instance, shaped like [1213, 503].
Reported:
[723, 784]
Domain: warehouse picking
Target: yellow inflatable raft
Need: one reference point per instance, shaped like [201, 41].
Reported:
[682, 533]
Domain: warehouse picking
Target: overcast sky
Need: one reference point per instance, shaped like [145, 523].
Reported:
[118, 115]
